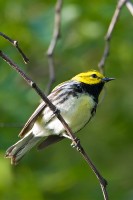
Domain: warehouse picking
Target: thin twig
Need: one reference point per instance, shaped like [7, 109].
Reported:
[16, 45]
[108, 36]
[129, 5]
[26, 60]
[56, 33]
[102, 181]
[75, 140]
[50, 51]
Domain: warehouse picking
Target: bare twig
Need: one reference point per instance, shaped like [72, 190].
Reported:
[109, 34]
[15, 44]
[75, 140]
[56, 33]
[102, 181]
[26, 60]
[129, 5]
[50, 51]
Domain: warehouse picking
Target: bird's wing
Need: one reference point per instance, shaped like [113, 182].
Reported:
[29, 124]
[48, 141]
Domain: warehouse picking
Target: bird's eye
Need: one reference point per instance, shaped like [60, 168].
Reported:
[94, 76]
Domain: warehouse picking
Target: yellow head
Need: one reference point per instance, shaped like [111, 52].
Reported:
[91, 77]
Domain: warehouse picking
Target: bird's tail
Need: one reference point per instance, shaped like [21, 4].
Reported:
[19, 149]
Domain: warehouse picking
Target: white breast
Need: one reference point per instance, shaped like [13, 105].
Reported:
[75, 111]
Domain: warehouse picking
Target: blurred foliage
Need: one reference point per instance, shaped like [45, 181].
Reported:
[59, 172]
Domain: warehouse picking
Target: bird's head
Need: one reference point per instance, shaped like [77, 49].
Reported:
[91, 77]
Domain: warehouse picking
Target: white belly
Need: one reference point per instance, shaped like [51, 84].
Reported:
[75, 111]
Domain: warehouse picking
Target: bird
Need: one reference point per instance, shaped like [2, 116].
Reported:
[77, 101]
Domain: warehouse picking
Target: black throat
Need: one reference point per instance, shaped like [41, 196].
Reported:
[93, 90]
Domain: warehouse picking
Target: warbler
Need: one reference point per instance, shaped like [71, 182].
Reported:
[76, 99]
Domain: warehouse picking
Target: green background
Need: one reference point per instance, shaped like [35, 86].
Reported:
[59, 172]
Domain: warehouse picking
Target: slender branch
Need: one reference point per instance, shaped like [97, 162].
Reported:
[108, 36]
[16, 45]
[75, 140]
[129, 5]
[26, 60]
[56, 33]
[50, 51]
[102, 181]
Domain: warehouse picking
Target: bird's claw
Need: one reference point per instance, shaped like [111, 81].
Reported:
[76, 144]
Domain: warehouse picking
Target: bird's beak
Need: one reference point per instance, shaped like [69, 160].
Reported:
[106, 79]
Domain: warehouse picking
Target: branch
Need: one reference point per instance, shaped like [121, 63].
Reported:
[50, 51]
[109, 34]
[16, 45]
[75, 140]
[102, 181]
[129, 5]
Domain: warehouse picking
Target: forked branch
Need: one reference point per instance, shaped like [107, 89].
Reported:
[15, 44]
